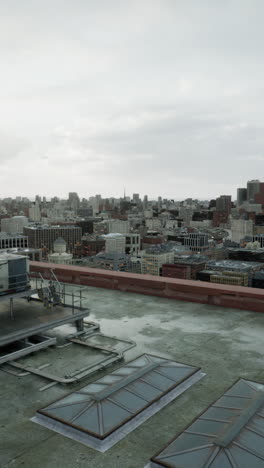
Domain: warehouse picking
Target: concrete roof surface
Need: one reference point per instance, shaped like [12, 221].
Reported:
[225, 343]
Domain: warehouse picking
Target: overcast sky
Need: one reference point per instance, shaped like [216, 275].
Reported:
[164, 97]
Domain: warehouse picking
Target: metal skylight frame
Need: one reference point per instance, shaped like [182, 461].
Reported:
[237, 442]
[106, 410]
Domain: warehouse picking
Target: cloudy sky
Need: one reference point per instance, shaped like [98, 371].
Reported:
[164, 97]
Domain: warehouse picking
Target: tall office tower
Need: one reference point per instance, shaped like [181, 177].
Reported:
[223, 203]
[145, 202]
[74, 201]
[136, 198]
[252, 189]
[241, 196]
[34, 212]
[259, 197]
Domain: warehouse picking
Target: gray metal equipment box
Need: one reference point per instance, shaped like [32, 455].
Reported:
[14, 273]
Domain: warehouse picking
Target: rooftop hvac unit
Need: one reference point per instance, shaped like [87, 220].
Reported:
[14, 271]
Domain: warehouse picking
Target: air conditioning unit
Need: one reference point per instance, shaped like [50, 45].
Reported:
[14, 273]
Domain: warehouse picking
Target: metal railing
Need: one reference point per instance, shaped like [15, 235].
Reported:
[54, 292]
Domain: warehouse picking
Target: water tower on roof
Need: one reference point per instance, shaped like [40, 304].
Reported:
[60, 254]
[59, 245]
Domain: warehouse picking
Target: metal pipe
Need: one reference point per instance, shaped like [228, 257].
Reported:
[11, 309]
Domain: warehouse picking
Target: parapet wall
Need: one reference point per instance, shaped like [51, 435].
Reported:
[237, 297]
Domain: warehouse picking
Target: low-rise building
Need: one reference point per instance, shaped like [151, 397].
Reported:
[132, 243]
[115, 242]
[107, 261]
[153, 259]
[92, 245]
[236, 266]
[197, 241]
[185, 268]
[43, 236]
[14, 225]
[118, 225]
[10, 241]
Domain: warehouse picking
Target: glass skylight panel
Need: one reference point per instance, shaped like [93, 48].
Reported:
[105, 406]
[229, 434]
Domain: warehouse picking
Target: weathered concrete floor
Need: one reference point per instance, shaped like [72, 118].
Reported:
[226, 343]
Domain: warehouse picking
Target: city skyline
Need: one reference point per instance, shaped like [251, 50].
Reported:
[159, 96]
[129, 195]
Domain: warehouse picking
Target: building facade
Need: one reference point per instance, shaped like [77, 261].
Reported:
[152, 262]
[132, 243]
[197, 241]
[11, 241]
[252, 189]
[92, 245]
[44, 236]
[15, 224]
[115, 242]
[118, 225]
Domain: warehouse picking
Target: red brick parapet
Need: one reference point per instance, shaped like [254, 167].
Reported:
[222, 295]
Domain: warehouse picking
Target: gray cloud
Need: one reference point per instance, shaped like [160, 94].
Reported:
[162, 96]
[11, 147]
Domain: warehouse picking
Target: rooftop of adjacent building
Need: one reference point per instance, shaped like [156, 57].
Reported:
[227, 344]
[8, 235]
[235, 264]
[51, 227]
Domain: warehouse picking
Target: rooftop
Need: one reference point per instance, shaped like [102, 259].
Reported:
[234, 264]
[226, 343]
[6, 235]
[52, 227]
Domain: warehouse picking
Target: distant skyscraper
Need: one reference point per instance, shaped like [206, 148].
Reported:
[34, 212]
[241, 195]
[223, 203]
[252, 189]
[136, 198]
[74, 201]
